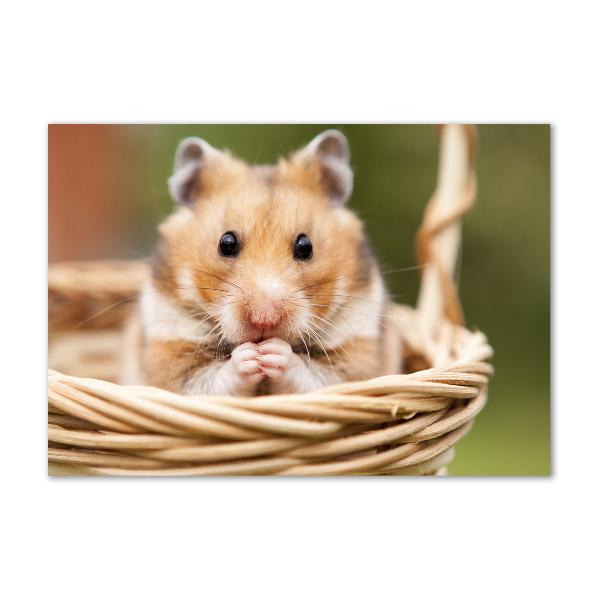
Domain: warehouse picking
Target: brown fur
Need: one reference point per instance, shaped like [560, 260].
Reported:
[169, 364]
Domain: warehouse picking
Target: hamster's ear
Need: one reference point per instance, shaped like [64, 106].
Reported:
[330, 150]
[185, 185]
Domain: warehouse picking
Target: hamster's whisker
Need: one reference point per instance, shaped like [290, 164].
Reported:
[340, 307]
[214, 335]
[335, 313]
[206, 336]
[178, 350]
[362, 312]
[351, 342]
[414, 268]
[373, 302]
[195, 355]
[355, 276]
[196, 311]
[222, 340]
[299, 332]
[225, 335]
[322, 283]
[135, 297]
[204, 288]
[199, 312]
[207, 318]
[314, 334]
[217, 326]
[221, 279]
[291, 329]
[342, 360]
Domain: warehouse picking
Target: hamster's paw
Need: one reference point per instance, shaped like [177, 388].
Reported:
[277, 359]
[245, 364]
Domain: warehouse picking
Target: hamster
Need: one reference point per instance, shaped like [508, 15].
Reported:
[263, 282]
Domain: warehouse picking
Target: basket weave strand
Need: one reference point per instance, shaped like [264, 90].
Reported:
[397, 424]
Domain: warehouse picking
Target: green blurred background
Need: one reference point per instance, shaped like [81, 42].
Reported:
[505, 272]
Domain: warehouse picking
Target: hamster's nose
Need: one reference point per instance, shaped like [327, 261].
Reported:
[265, 314]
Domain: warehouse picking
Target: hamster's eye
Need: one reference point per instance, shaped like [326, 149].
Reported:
[303, 248]
[229, 245]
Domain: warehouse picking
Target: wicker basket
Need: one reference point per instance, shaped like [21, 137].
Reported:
[403, 424]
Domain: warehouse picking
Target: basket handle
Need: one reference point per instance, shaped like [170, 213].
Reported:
[439, 237]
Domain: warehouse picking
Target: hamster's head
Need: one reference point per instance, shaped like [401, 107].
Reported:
[263, 251]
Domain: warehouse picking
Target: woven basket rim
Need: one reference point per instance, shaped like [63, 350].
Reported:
[390, 424]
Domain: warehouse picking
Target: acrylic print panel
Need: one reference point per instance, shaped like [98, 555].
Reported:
[278, 222]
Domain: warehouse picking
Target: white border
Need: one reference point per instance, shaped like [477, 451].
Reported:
[514, 62]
